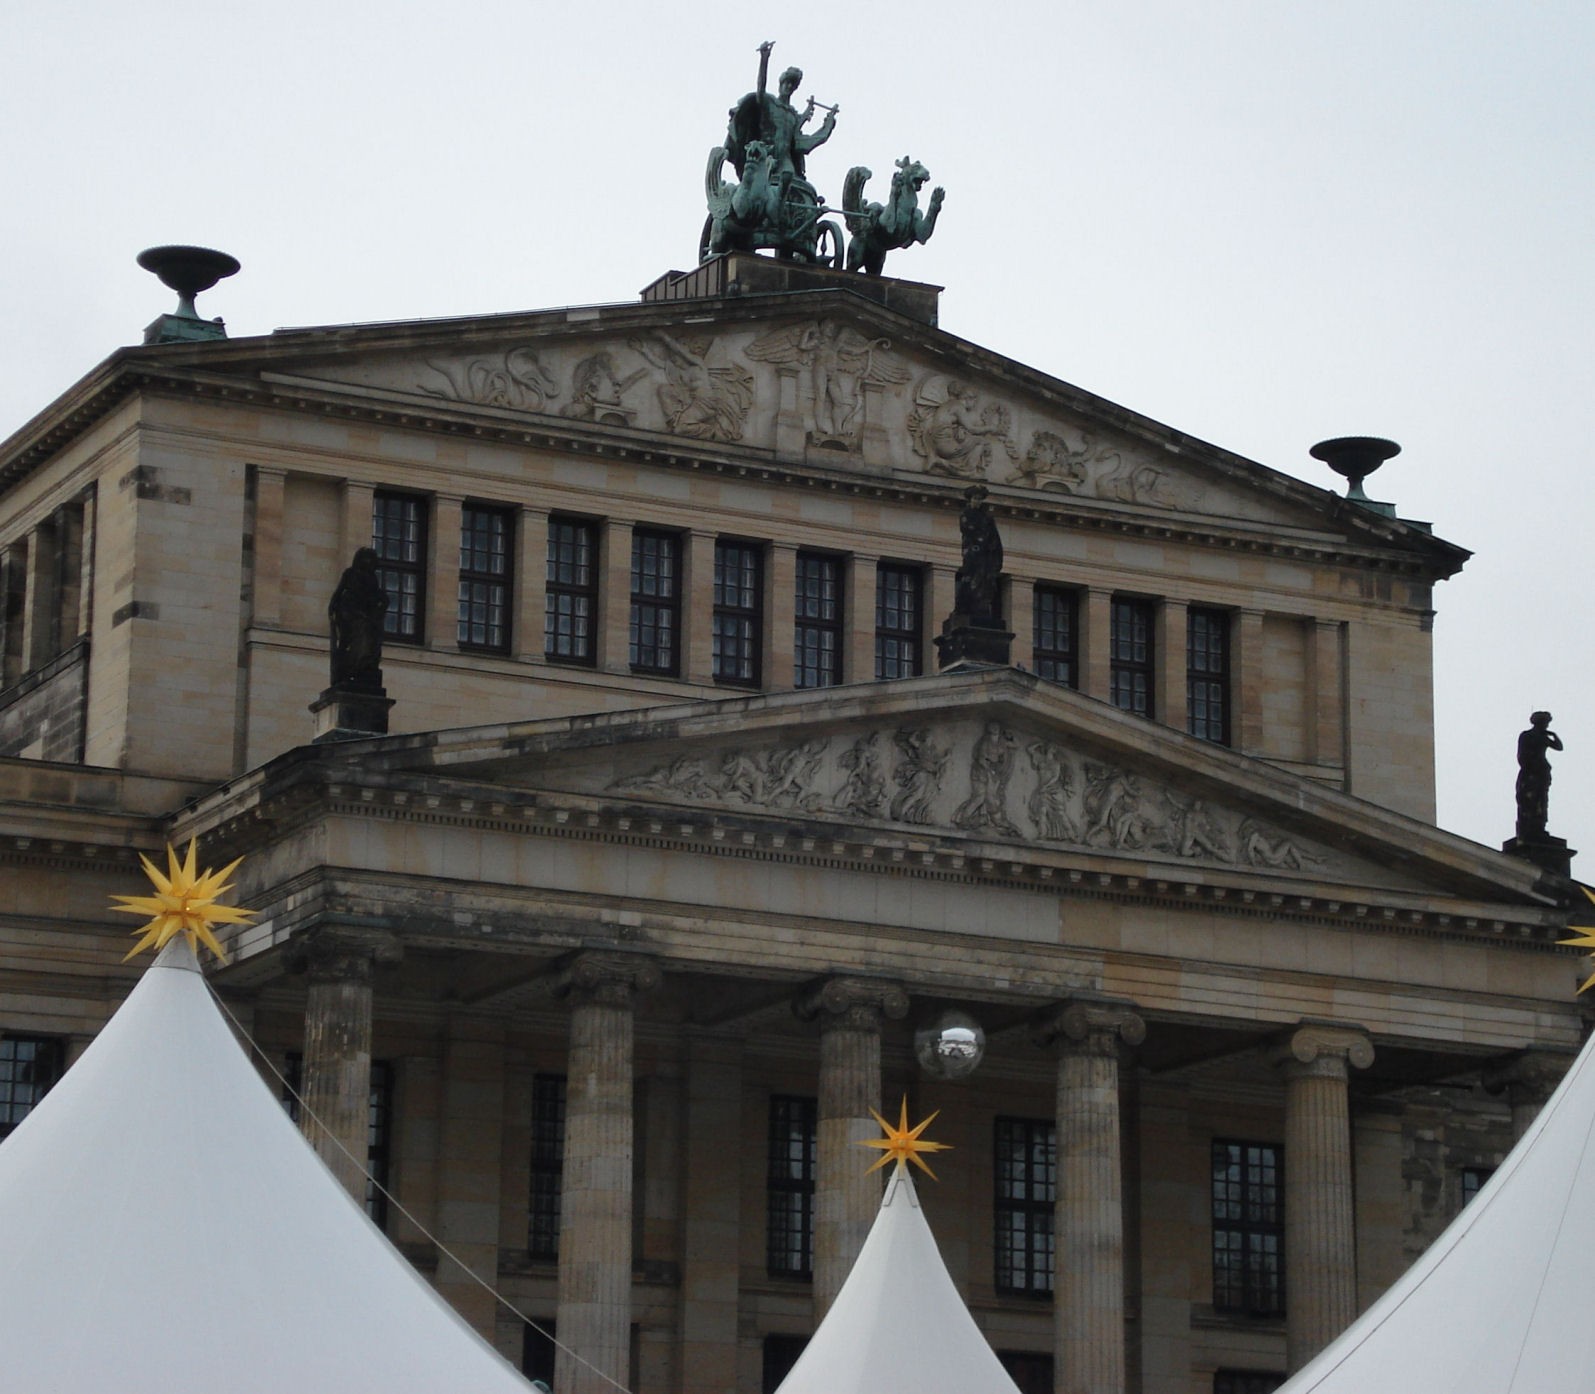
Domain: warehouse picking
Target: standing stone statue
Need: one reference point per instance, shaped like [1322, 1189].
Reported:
[976, 597]
[356, 611]
[1534, 775]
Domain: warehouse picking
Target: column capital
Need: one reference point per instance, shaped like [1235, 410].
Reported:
[610, 979]
[1320, 1049]
[859, 1004]
[1528, 1078]
[1088, 1026]
[343, 954]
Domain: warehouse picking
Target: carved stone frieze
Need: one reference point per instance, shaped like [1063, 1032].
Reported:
[955, 432]
[515, 379]
[702, 396]
[597, 391]
[970, 776]
[839, 364]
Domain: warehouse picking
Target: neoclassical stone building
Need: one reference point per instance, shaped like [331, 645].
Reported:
[677, 836]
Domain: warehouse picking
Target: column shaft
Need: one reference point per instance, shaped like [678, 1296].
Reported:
[337, 1065]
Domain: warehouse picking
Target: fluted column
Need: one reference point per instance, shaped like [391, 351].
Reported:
[336, 1078]
[1320, 1215]
[851, 1012]
[594, 1313]
[1088, 1221]
[1527, 1080]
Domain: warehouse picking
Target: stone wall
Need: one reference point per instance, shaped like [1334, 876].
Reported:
[41, 717]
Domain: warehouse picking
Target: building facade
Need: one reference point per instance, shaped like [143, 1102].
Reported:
[677, 838]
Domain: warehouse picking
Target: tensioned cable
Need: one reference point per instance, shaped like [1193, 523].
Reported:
[398, 1205]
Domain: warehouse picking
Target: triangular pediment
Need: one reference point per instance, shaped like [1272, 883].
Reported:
[822, 381]
[996, 761]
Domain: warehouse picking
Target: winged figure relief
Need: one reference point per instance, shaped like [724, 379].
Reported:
[699, 401]
[953, 433]
[839, 361]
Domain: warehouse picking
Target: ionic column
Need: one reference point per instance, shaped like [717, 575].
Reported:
[336, 1078]
[1320, 1217]
[594, 1313]
[1088, 1222]
[1527, 1080]
[851, 1012]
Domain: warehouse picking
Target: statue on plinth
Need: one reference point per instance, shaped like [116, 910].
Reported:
[975, 632]
[1533, 842]
[355, 704]
[1534, 775]
[355, 614]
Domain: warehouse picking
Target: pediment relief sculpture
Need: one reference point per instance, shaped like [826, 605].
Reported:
[986, 779]
[839, 363]
[515, 379]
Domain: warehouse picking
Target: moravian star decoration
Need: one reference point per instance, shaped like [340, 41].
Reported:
[184, 903]
[902, 1144]
[1585, 939]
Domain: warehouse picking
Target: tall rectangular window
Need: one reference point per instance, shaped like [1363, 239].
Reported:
[1248, 1228]
[780, 1355]
[655, 602]
[1025, 1162]
[485, 539]
[1246, 1381]
[1130, 655]
[1207, 674]
[398, 532]
[29, 1065]
[548, 1165]
[817, 638]
[1473, 1179]
[789, 1186]
[1056, 625]
[898, 606]
[738, 612]
[1030, 1371]
[571, 602]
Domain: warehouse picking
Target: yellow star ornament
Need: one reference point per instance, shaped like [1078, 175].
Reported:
[184, 903]
[1586, 937]
[902, 1144]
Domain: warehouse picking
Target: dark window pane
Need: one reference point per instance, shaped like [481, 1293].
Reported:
[655, 602]
[789, 1186]
[1025, 1165]
[398, 533]
[1207, 684]
[485, 535]
[1248, 1228]
[1056, 625]
[738, 612]
[547, 1165]
[818, 616]
[1130, 655]
[780, 1355]
[29, 1066]
[571, 603]
[897, 622]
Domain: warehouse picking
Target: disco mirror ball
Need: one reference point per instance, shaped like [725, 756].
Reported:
[951, 1046]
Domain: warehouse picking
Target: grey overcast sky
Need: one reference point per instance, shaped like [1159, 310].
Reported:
[1262, 222]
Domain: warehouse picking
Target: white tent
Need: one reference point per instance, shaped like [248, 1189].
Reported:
[1501, 1302]
[164, 1227]
[898, 1322]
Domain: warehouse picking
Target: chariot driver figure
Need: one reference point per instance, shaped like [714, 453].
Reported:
[774, 121]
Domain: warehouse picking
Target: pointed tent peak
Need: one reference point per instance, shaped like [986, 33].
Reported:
[899, 1321]
[903, 1144]
[185, 902]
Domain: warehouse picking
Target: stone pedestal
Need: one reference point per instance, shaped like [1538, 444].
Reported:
[594, 1313]
[1320, 1216]
[851, 1012]
[963, 641]
[350, 713]
[336, 1079]
[1088, 1223]
[1546, 852]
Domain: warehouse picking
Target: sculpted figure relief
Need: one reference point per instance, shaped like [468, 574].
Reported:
[699, 401]
[1049, 802]
[990, 767]
[839, 361]
[596, 391]
[879, 228]
[953, 433]
[517, 380]
[920, 762]
[865, 788]
[980, 577]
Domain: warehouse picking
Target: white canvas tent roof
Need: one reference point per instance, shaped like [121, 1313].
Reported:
[165, 1227]
[1500, 1302]
[898, 1322]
